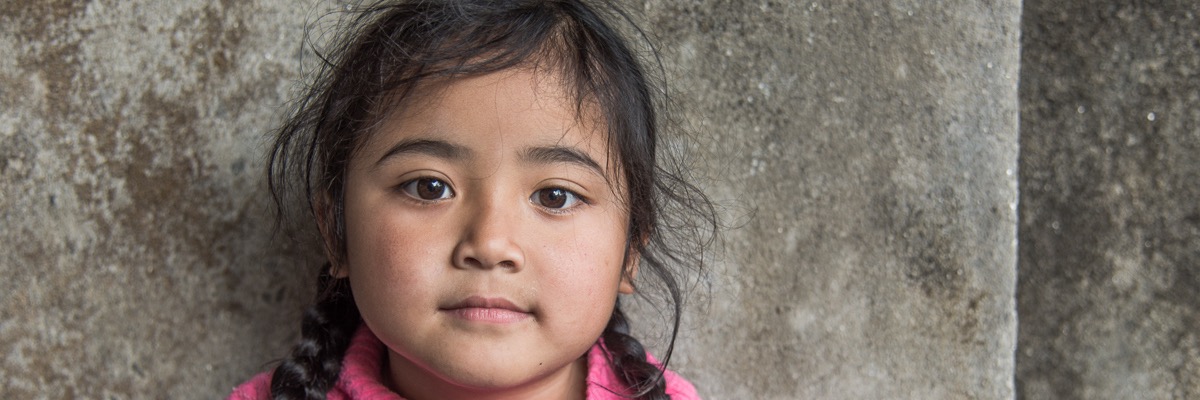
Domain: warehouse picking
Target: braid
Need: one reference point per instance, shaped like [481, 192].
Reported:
[314, 364]
[627, 357]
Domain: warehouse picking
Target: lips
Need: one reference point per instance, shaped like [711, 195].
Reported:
[487, 310]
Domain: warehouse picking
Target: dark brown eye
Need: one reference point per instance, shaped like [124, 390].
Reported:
[427, 189]
[557, 198]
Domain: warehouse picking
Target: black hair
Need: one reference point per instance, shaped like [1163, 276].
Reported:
[380, 58]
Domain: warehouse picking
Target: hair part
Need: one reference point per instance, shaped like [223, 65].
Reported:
[380, 60]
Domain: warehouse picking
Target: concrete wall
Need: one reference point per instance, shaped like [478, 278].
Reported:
[875, 148]
[1110, 225]
[865, 154]
[137, 248]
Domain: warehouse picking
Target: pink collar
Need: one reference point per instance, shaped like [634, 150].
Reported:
[361, 377]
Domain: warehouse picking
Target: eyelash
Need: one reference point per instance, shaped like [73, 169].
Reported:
[567, 208]
[412, 189]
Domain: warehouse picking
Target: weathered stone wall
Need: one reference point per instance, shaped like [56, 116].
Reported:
[1110, 224]
[137, 254]
[874, 147]
[865, 155]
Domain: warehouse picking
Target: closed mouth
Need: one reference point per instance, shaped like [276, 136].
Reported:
[487, 309]
[486, 302]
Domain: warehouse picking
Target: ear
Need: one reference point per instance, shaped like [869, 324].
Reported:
[324, 211]
[629, 273]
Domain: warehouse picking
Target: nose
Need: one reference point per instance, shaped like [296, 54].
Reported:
[488, 240]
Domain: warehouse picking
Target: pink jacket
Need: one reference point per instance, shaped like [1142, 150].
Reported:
[360, 377]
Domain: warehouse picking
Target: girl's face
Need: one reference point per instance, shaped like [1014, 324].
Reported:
[485, 234]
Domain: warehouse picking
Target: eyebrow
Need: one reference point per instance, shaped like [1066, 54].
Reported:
[434, 148]
[561, 154]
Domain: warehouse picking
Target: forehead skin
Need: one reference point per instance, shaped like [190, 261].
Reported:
[549, 90]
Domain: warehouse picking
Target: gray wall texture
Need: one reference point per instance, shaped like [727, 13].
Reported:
[1110, 226]
[864, 154]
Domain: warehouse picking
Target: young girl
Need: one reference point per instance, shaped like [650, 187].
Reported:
[483, 174]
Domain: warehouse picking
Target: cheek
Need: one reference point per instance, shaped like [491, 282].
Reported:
[388, 257]
[583, 262]
[382, 249]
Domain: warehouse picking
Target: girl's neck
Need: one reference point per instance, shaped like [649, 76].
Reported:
[413, 382]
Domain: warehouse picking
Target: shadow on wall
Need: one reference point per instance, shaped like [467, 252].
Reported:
[1110, 132]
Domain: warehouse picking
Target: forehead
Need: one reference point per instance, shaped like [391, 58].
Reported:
[497, 111]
